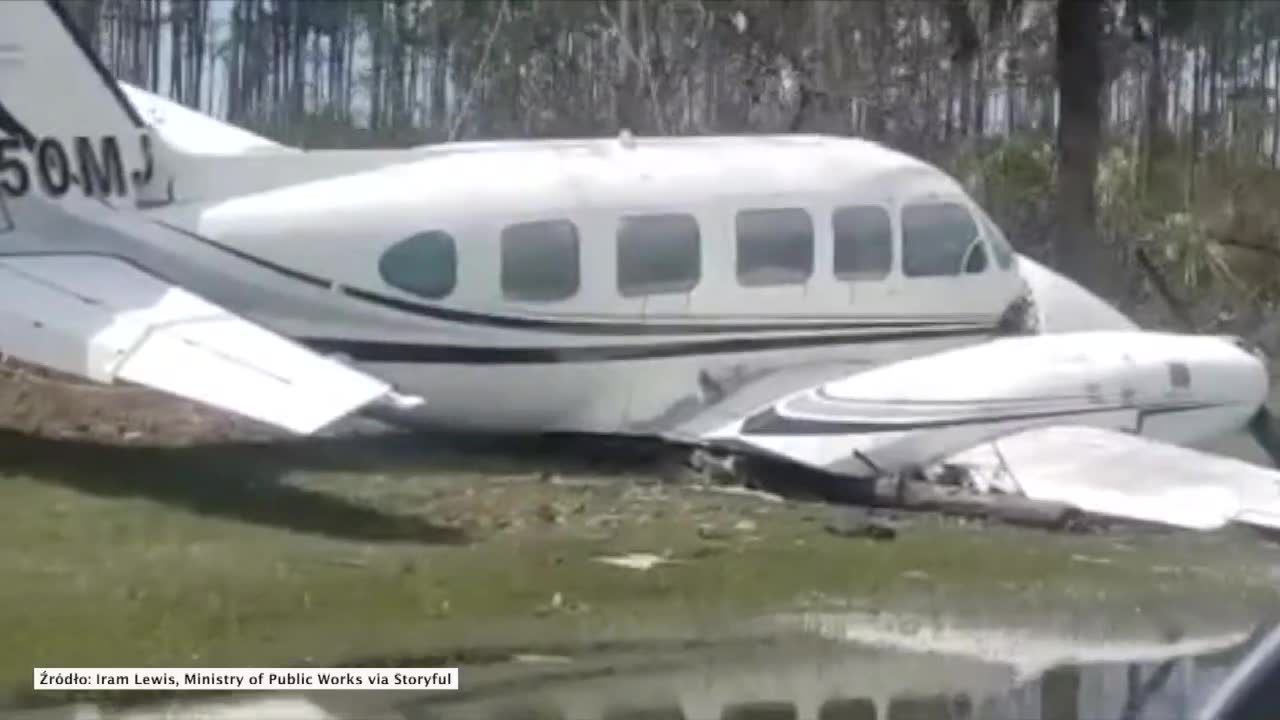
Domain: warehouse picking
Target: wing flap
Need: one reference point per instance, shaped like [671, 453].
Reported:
[1121, 475]
[106, 320]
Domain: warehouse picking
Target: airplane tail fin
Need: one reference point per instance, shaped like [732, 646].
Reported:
[70, 136]
[60, 104]
[82, 134]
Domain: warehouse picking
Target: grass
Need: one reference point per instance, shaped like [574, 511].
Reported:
[245, 556]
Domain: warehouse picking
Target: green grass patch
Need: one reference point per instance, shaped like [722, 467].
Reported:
[113, 557]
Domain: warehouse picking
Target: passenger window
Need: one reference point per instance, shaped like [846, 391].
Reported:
[540, 261]
[658, 254]
[425, 264]
[1179, 375]
[938, 239]
[863, 240]
[775, 247]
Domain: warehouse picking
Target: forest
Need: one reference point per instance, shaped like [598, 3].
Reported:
[1132, 143]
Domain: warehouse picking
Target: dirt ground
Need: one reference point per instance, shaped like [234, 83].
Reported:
[42, 403]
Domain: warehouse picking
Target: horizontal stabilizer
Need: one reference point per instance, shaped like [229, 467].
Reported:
[1127, 476]
[101, 318]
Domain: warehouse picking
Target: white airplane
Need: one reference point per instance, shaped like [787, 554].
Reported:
[824, 300]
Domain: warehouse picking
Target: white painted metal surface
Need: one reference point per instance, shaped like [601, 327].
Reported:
[194, 132]
[102, 319]
[1131, 477]
[909, 414]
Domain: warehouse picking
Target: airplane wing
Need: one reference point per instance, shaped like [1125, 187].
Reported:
[1128, 476]
[104, 319]
[1072, 407]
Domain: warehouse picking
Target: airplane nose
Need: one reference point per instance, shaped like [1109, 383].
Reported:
[1253, 368]
[1252, 348]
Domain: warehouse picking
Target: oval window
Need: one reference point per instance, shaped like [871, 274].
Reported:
[425, 264]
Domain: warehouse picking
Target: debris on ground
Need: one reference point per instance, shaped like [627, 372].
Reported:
[1066, 472]
[860, 523]
[635, 561]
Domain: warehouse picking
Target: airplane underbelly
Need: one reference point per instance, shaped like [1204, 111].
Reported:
[679, 396]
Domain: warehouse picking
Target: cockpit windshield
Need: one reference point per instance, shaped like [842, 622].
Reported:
[1000, 246]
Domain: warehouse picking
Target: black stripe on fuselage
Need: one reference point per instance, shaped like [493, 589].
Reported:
[604, 327]
[416, 353]
[376, 351]
[770, 422]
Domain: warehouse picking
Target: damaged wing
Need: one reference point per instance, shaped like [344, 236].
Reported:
[1081, 419]
[1120, 475]
[104, 319]
[914, 413]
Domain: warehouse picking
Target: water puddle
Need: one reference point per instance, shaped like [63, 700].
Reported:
[809, 666]
[867, 667]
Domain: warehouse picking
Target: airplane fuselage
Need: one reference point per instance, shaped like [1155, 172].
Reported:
[644, 286]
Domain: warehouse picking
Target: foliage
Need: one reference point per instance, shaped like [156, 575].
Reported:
[1221, 247]
[1013, 179]
[1190, 121]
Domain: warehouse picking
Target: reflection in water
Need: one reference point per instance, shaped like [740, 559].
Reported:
[847, 709]
[1060, 694]
[929, 708]
[833, 681]
[670, 712]
[760, 711]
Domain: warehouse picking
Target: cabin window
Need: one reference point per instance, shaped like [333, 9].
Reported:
[775, 247]
[940, 239]
[540, 261]
[425, 264]
[1000, 246]
[863, 239]
[976, 262]
[1179, 375]
[658, 254]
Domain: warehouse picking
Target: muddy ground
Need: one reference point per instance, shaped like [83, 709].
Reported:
[45, 404]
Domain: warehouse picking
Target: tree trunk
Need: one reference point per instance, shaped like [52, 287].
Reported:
[1275, 126]
[1197, 93]
[155, 45]
[179, 16]
[1215, 64]
[415, 70]
[1153, 124]
[299, 42]
[1080, 252]
[878, 110]
[317, 62]
[439, 118]
[395, 78]
[349, 64]
[980, 97]
[199, 30]
[1260, 148]
[1237, 17]
[375, 81]
[233, 61]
